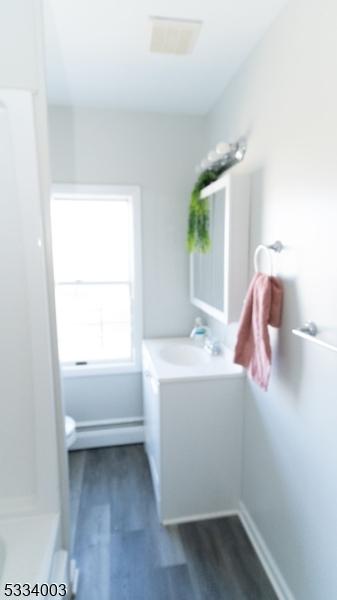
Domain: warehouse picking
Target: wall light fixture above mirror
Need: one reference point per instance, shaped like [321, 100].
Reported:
[224, 156]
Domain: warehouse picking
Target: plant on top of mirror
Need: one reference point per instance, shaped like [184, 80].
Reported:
[198, 239]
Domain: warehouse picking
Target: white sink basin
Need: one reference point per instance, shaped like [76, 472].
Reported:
[184, 355]
[179, 359]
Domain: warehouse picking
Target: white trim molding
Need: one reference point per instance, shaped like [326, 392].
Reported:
[133, 195]
[272, 571]
[200, 517]
[98, 370]
[235, 197]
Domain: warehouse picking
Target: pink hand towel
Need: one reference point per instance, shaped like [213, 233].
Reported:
[262, 306]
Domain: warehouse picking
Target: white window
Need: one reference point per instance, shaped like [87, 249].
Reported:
[96, 251]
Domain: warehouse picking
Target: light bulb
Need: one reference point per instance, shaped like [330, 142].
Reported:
[213, 156]
[223, 148]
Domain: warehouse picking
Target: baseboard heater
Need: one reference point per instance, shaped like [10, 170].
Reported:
[108, 432]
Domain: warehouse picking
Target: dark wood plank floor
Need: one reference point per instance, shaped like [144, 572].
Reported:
[125, 554]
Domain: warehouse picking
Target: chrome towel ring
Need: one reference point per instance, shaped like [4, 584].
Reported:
[276, 247]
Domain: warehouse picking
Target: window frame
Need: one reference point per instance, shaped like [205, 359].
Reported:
[110, 193]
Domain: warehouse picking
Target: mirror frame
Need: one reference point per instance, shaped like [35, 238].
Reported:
[236, 247]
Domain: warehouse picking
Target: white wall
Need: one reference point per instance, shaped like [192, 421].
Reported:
[18, 44]
[104, 397]
[158, 153]
[284, 98]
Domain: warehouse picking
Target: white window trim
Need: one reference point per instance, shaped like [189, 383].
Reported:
[109, 192]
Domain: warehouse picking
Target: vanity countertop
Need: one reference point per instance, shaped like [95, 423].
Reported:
[177, 359]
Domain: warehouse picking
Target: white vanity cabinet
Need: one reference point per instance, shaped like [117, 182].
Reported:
[193, 425]
[151, 401]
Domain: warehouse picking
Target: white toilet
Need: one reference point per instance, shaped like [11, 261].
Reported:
[70, 428]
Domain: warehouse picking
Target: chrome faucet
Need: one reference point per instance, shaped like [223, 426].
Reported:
[213, 347]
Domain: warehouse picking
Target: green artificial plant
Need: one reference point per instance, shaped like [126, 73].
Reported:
[198, 239]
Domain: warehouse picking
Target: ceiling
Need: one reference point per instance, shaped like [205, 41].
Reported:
[98, 55]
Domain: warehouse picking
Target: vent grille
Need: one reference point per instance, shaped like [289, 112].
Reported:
[174, 36]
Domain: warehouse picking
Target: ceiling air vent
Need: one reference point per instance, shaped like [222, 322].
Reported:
[174, 36]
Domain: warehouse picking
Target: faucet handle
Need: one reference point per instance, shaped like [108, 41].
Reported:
[214, 347]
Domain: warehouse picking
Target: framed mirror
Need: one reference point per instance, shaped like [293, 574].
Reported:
[218, 278]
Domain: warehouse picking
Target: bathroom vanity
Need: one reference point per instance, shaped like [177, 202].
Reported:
[193, 424]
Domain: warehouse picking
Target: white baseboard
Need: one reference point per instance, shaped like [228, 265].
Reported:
[272, 571]
[200, 517]
[108, 436]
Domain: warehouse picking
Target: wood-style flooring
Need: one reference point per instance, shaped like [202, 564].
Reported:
[123, 552]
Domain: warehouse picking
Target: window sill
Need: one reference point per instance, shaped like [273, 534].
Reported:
[99, 370]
